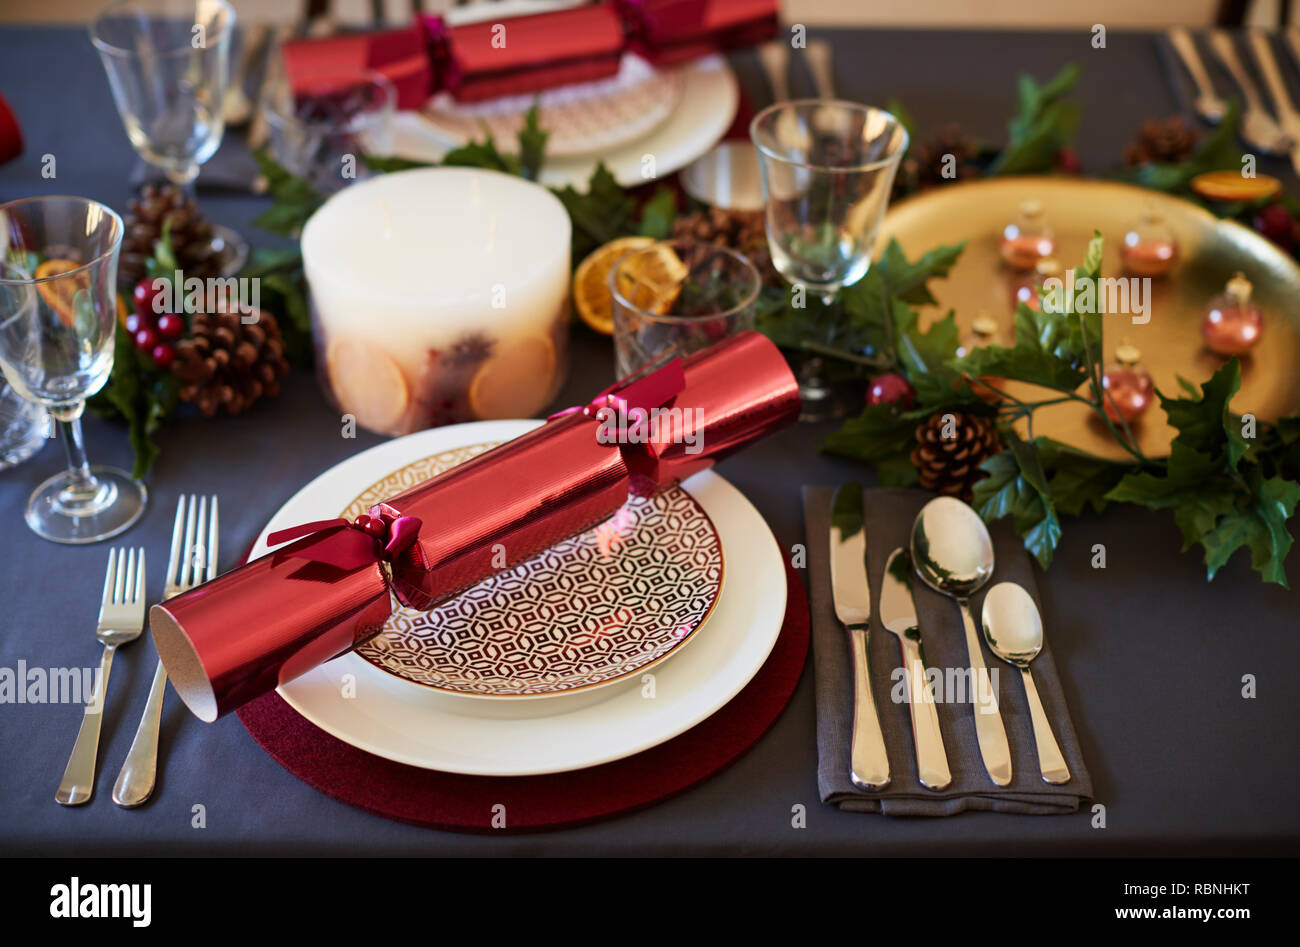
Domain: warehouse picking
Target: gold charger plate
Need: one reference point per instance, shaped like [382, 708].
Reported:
[1210, 250]
[593, 610]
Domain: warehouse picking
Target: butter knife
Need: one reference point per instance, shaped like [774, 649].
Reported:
[1287, 116]
[868, 762]
[898, 614]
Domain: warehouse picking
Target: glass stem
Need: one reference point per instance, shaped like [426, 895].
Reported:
[80, 480]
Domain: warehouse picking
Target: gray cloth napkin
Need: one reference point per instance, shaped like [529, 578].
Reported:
[888, 514]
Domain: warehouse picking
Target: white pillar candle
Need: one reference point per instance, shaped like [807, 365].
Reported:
[439, 295]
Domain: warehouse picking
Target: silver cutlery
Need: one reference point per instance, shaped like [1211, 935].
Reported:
[1287, 116]
[1208, 104]
[1257, 126]
[1014, 630]
[868, 761]
[898, 615]
[953, 554]
[121, 619]
[193, 561]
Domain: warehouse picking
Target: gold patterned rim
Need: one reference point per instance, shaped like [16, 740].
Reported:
[594, 610]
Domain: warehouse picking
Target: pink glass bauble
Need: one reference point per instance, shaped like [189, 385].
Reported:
[1029, 239]
[1129, 388]
[1232, 323]
[1149, 249]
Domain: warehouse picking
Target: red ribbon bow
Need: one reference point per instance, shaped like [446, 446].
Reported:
[351, 545]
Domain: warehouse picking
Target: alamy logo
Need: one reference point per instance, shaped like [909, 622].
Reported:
[37, 685]
[75, 899]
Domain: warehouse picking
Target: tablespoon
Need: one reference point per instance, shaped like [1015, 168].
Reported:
[1208, 104]
[1014, 630]
[953, 554]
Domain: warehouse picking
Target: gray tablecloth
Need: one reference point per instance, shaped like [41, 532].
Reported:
[888, 515]
[1156, 656]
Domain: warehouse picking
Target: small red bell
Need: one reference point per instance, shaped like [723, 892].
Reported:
[1129, 388]
[1232, 323]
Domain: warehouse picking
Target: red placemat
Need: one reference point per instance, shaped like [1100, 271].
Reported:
[535, 803]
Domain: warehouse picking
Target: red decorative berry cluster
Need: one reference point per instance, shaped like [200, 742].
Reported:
[152, 332]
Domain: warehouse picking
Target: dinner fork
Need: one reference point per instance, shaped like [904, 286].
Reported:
[121, 619]
[192, 561]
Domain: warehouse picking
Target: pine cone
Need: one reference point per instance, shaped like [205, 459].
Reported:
[1162, 140]
[226, 365]
[950, 465]
[191, 234]
[931, 157]
[741, 230]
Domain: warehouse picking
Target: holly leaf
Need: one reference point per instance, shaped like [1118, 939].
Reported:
[925, 357]
[532, 145]
[1077, 480]
[882, 436]
[293, 198]
[481, 154]
[1259, 525]
[907, 279]
[139, 395]
[599, 214]
[1042, 127]
[1016, 486]
[658, 214]
[387, 164]
[1204, 423]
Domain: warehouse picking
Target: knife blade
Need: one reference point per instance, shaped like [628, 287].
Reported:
[898, 615]
[851, 592]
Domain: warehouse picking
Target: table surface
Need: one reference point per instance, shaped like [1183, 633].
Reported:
[1151, 655]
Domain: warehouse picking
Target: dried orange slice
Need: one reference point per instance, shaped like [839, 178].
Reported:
[367, 383]
[60, 295]
[591, 282]
[1233, 186]
[516, 381]
[653, 280]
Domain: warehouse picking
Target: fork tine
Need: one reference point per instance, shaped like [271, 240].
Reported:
[139, 579]
[110, 580]
[198, 552]
[187, 557]
[120, 583]
[178, 528]
[212, 541]
[128, 586]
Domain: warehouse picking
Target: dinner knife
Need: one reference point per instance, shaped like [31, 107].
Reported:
[868, 762]
[898, 614]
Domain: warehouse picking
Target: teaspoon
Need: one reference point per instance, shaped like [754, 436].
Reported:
[1014, 630]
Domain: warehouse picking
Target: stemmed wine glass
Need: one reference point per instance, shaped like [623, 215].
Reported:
[168, 63]
[58, 318]
[827, 168]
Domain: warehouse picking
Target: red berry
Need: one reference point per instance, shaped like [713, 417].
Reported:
[162, 355]
[1067, 161]
[145, 339]
[1275, 223]
[891, 389]
[171, 326]
[146, 291]
[135, 322]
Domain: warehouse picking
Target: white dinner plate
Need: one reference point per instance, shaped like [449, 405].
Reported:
[356, 702]
[707, 106]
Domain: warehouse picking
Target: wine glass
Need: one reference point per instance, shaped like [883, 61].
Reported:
[168, 63]
[58, 320]
[826, 168]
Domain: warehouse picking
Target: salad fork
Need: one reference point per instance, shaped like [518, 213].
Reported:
[193, 561]
[121, 619]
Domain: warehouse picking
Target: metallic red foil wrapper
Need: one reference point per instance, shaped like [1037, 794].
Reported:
[402, 56]
[263, 624]
[667, 32]
[522, 54]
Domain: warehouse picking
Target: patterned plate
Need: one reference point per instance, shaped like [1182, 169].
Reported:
[591, 611]
[584, 119]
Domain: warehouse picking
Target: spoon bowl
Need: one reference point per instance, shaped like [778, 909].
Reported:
[951, 548]
[1012, 626]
